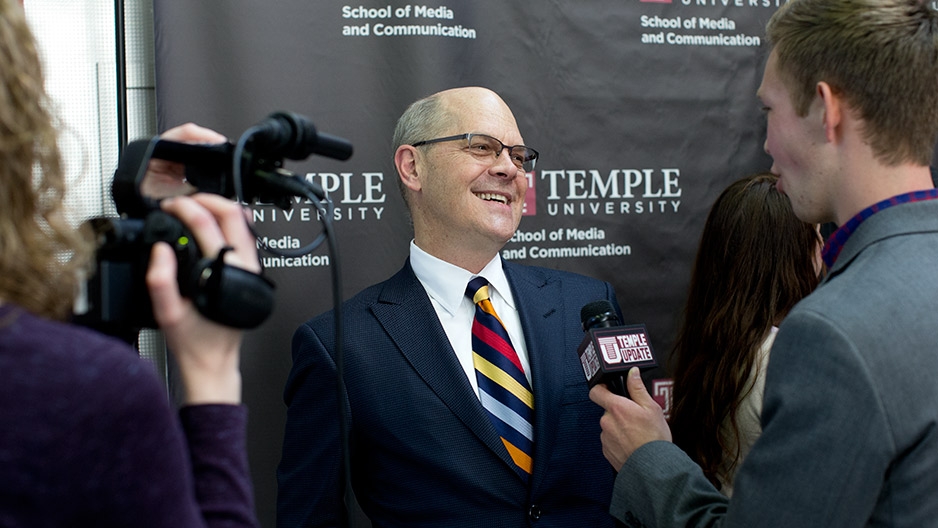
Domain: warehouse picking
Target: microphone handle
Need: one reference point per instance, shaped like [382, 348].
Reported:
[617, 385]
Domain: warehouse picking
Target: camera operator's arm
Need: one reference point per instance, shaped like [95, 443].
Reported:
[208, 375]
[207, 352]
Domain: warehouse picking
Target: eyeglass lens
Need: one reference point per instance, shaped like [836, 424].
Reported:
[523, 157]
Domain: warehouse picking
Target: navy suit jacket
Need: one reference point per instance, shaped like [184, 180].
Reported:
[423, 451]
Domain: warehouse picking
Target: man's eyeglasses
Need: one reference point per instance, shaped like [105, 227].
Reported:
[484, 147]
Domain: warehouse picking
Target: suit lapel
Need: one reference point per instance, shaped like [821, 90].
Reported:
[539, 305]
[405, 312]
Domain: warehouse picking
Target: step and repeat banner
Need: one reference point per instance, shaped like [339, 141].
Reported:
[642, 112]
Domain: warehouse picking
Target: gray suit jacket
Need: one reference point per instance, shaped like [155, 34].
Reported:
[850, 422]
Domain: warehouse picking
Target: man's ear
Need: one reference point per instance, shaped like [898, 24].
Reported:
[405, 159]
[832, 110]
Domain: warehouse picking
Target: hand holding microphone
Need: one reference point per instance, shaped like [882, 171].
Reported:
[629, 424]
[609, 349]
[611, 355]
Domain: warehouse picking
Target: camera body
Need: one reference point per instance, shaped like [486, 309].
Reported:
[117, 300]
[116, 295]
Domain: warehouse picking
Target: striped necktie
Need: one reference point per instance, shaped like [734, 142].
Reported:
[503, 388]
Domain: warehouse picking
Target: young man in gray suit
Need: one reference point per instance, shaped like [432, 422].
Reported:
[425, 448]
[850, 420]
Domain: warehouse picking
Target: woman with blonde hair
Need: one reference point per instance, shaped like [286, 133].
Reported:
[87, 435]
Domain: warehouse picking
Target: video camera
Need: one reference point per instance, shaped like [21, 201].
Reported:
[116, 297]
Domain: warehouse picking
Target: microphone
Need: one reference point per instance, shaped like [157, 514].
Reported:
[609, 349]
[210, 167]
[292, 136]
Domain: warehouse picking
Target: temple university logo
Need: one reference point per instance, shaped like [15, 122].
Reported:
[530, 197]
[661, 391]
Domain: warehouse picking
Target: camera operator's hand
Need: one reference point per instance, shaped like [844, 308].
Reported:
[168, 178]
[207, 353]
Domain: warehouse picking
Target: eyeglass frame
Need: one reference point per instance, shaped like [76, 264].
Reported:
[468, 137]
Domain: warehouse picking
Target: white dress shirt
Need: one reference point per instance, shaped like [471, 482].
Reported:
[446, 286]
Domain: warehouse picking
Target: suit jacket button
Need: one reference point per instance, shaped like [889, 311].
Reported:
[534, 512]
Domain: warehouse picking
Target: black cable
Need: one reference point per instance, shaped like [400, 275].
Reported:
[345, 481]
[288, 183]
[293, 184]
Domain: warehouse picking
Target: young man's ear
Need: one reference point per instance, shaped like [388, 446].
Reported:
[832, 110]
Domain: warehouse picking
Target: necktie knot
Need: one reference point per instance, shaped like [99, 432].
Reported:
[478, 290]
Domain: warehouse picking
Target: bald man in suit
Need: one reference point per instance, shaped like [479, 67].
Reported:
[424, 449]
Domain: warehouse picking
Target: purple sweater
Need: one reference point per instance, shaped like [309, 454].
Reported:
[88, 437]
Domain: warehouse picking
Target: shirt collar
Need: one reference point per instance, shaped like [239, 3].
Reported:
[446, 283]
[835, 243]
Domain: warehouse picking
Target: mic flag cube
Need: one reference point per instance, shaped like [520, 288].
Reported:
[611, 351]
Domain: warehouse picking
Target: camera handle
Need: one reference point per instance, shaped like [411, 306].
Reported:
[230, 295]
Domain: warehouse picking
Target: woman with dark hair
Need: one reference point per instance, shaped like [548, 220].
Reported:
[755, 261]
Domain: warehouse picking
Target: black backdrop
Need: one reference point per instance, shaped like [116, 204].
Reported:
[642, 111]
